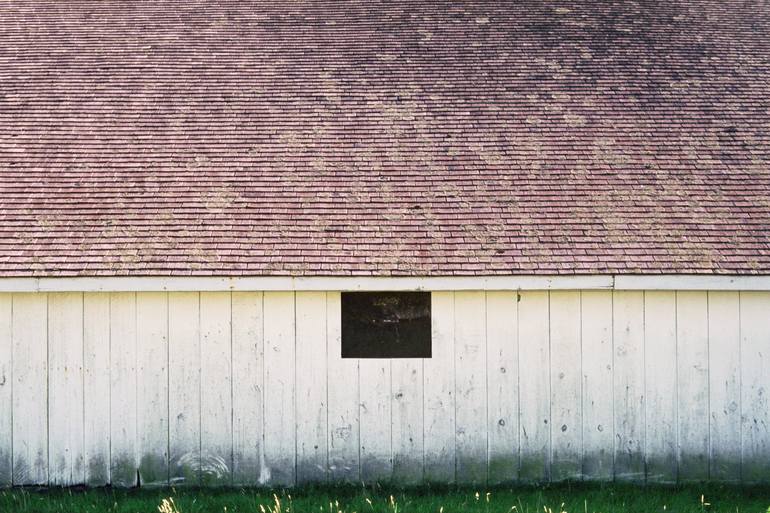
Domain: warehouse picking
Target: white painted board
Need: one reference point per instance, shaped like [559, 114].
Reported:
[407, 420]
[216, 390]
[65, 389]
[248, 374]
[503, 386]
[660, 339]
[566, 391]
[6, 392]
[375, 420]
[280, 414]
[312, 452]
[534, 387]
[184, 388]
[30, 394]
[755, 386]
[124, 461]
[693, 384]
[152, 387]
[96, 387]
[724, 386]
[628, 337]
[344, 400]
[439, 392]
[597, 404]
[471, 386]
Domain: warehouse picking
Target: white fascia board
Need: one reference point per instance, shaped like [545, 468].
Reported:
[268, 283]
[362, 283]
[691, 282]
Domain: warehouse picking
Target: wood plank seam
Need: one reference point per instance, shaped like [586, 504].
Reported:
[612, 395]
[454, 379]
[549, 451]
[518, 378]
[582, 389]
[740, 384]
[676, 387]
[168, 387]
[708, 389]
[232, 396]
[47, 386]
[486, 380]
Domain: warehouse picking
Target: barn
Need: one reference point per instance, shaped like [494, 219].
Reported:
[268, 243]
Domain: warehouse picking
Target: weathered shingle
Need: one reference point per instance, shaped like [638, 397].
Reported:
[387, 138]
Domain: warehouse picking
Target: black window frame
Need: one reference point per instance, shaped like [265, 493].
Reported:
[386, 324]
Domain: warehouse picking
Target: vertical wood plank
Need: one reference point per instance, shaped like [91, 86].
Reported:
[312, 456]
[755, 386]
[693, 384]
[471, 389]
[280, 423]
[30, 393]
[628, 337]
[216, 389]
[248, 372]
[534, 386]
[152, 387]
[375, 420]
[407, 420]
[184, 387]
[123, 386]
[660, 343]
[6, 394]
[598, 420]
[65, 389]
[724, 386]
[566, 393]
[503, 386]
[439, 399]
[96, 387]
[344, 436]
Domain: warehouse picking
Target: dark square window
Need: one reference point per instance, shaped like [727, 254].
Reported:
[386, 325]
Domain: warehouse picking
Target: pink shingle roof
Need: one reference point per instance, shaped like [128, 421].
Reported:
[384, 138]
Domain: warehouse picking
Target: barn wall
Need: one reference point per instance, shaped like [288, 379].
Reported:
[248, 388]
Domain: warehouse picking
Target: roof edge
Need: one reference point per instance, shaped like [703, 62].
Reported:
[364, 283]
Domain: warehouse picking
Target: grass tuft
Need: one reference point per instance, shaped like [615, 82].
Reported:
[557, 498]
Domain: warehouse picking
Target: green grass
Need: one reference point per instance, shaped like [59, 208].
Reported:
[577, 498]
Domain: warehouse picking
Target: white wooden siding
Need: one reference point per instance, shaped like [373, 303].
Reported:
[249, 388]
[65, 388]
[344, 401]
[534, 387]
[502, 385]
[439, 392]
[184, 387]
[597, 403]
[628, 384]
[660, 378]
[29, 335]
[755, 386]
[6, 394]
[152, 387]
[248, 379]
[724, 385]
[566, 393]
[312, 452]
[470, 387]
[280, 380]
[216, 390]
[96, 387]
[124, 457]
